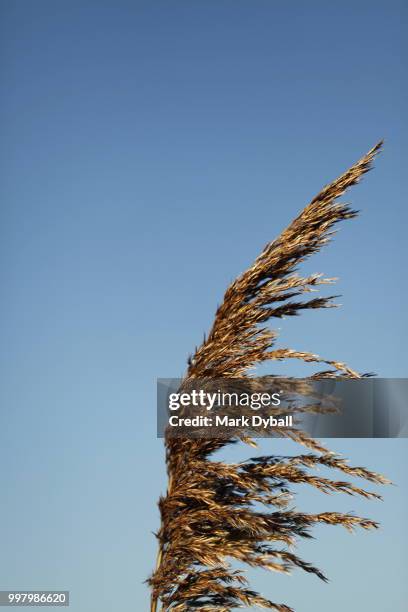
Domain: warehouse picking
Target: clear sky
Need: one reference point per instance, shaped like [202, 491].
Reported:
[149, 150]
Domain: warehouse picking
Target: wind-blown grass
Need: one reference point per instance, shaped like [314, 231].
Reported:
[210, 513]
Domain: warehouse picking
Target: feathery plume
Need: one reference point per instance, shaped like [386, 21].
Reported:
[212, 511]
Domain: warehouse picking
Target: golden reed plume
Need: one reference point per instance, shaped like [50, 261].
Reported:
[210, 514]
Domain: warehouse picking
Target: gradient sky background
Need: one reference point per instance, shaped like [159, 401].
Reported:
[149, 150]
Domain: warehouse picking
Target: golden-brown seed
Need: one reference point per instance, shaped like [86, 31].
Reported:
[211, 511]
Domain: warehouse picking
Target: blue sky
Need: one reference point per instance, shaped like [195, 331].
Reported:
[149, 150]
